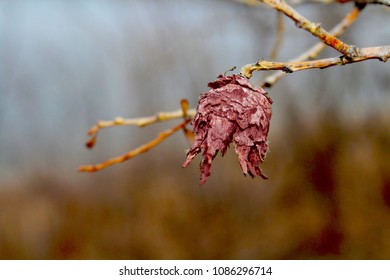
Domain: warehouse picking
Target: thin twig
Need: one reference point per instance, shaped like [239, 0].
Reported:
[314, 28]
[315, 50]
[141, 122]
[141, 149]
[381, 53]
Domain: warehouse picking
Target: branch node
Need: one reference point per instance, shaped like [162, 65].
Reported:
[287, 69]
[353, 52]
[383, 56]
[344, 59]
[246, 71]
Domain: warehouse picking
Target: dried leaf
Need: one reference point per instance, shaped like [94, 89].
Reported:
[232, 111]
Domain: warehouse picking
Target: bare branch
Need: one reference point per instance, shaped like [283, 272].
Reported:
[315, 50]
[313, 28]
[184, 112]
[141, 122]
[141, 149]
[298, 2]
[381, 53]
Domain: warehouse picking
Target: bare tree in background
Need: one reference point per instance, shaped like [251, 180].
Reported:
[233, 110]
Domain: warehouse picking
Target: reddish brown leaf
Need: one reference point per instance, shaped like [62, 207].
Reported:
[232, 111]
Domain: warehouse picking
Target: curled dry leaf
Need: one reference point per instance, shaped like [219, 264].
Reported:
[232, 111]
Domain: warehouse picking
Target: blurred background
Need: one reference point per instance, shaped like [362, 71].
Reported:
[67, 64]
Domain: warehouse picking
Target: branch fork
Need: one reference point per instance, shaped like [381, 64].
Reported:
[184, 112]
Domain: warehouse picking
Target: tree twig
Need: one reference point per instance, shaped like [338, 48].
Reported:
[315, 50]
[314, 28]
[141, 149]
[381, 53]
[141, 122]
